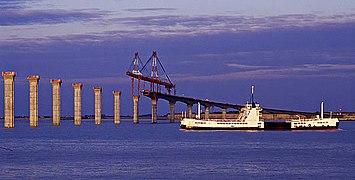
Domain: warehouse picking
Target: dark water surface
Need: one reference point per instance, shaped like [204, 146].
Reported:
[163, 151]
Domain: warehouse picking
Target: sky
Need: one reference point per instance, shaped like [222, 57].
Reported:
[297, 52]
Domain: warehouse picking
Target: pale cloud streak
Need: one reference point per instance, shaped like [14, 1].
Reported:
[137, 10]
[243, 66]
[269, 72]
[168, 25]
[103, 26]
[48, 16]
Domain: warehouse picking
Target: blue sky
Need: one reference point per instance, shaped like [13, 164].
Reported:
[297, 53]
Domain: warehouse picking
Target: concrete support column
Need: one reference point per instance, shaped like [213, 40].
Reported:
[224, 113]
[33, 80]
[9, 99]
[117, 106]
[77, 104]
[207, 112]
[172, 111]
[56, 101]
[135, 108]
[189, 110]
[154, 110]
[97, 92]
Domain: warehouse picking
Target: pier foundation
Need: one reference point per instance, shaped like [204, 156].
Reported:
[33, 81]
[154, 110]
[117, 106]
[224, 113]
[77, 104]
[56, 83]
[207, 112]
[172, 111]
[135, 108]
[189, 110]
[97, 92]
[9, 115]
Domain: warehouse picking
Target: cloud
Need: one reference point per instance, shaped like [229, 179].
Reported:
[149, 9]
[103, 26]
[281, 72]
[212, 24]
[243, 66]
[48, 16]
[13, 4]
[330, 66]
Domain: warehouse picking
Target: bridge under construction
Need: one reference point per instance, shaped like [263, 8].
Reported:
[153, 73]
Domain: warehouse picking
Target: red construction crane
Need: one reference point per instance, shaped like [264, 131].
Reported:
[138, 73]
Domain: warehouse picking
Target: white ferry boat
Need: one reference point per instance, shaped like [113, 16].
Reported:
[316, 123]
[249, 118]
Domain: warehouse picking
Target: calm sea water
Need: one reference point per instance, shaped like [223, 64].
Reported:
[163, 151]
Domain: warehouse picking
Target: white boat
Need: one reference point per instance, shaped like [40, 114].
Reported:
[316, 123]
[249, 118]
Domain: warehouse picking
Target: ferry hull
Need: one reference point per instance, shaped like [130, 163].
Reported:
[268, 126]
[219, 128]
[318, 128]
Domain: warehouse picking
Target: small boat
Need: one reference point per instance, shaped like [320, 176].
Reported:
[315, 123]
[249, 118]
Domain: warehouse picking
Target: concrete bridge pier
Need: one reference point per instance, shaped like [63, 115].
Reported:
[172, 111]
[98, 92]
[135, 108]
[154, 110]
[189, 110]
[56, 101]
[117, 106]
[77, 104]
[9, 115]
[33, 81]
[207, 112]
[224, 113]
